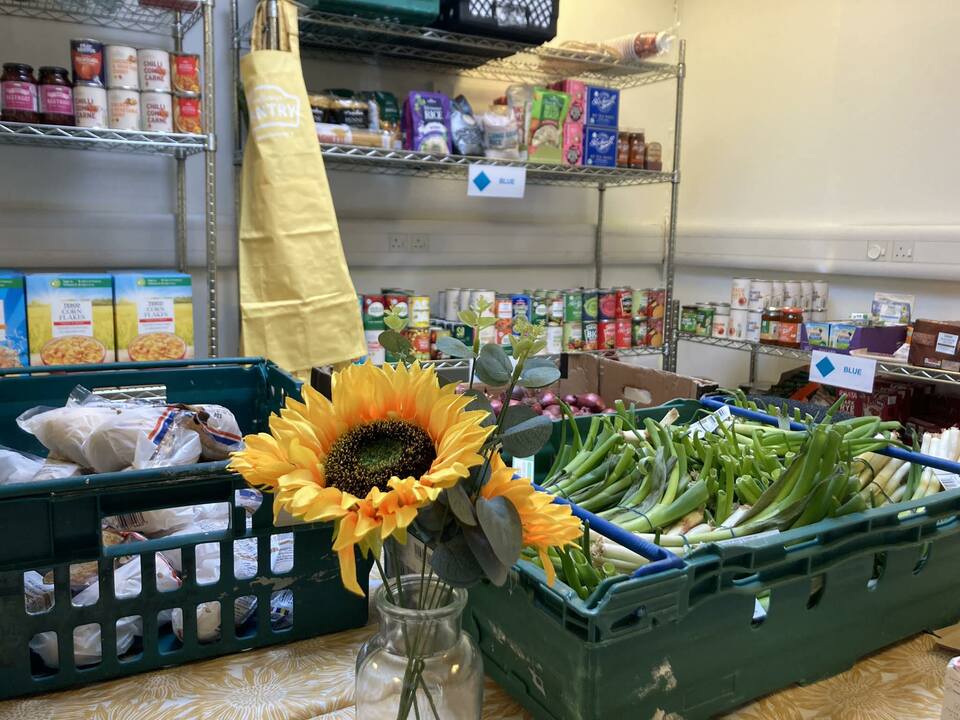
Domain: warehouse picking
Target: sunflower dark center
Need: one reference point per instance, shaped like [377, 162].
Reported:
[367, 456]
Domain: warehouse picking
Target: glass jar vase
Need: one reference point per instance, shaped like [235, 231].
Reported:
[419, 655]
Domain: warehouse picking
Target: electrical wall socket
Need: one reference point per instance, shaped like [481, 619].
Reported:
[419, 243]
[902, 251]
[398, 243]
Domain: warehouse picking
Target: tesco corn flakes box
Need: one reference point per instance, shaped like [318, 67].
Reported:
[154, 316]
[13, 321]
[70, 318]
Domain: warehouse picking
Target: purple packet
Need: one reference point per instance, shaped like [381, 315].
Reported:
[426, 122]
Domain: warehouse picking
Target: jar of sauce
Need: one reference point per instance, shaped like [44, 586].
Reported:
[790, 320]
[18, 94]
[653, 157]
[770, 326]
[56, 96]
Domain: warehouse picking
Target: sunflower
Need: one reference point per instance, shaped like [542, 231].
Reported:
[390, 441]
[545, 524]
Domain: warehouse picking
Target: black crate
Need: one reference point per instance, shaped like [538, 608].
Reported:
[528, 21]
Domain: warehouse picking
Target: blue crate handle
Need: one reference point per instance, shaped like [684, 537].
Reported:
[907, 455]
[660, 559]
[109, 367]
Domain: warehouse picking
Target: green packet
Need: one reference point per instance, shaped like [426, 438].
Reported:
[547, 114]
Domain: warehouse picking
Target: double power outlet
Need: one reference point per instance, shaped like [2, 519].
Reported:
[401, 243]
[896, 251]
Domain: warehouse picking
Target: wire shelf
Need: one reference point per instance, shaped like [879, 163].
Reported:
[773, 350]
[459, 364]
[130, 141]
[354, 39]
[408, 162]
[121, 14]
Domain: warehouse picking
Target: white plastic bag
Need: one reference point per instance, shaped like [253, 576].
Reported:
[53, 469]
[141, 436]
[218, 430]
[18, 467]
[63, 431]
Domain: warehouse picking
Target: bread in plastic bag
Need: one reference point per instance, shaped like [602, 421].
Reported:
[141, 436]
[63, 431]
[18, 467]
[218, 430]
[153, 523]
[53, 469]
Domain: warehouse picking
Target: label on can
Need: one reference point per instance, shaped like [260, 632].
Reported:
[640, 298]
[769, 331]
[123, 109]
[639, 332]
[19, 95]
[607, 304]
[375, 350]
[540, 311]
[90, 104]
[187, 114]
[688, 319]
[788, 333]
[86, 57]
[740, 293]
[656, 303]
[654, 332]
[720, 325]
[704, 320]
[157, 110]
[573, 336]
[419, 311]
[624, 302]
[420, 340]
[122, 67]
[521, 305]
[373, 312]
[737, 329]
[504, 328]
[399, 302]
[591, 302]
[554, 339]
[624, 332]
[56, 100]
[573, 306]
[463, 333]
[606, 334]
[186, 72]
[754, 320]
[154, 66]
[503, 307]
[590, 332]
[555, 309]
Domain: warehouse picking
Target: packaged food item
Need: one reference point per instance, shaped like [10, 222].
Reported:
[640, 46]
[37, 593]
[591, 304]
[18, 94]
[688, 319]
[637, 149]
[123, 108]
[467, 133]
[54, 469]
[577, 90]
[548, 111]
[141, 436]
[623, 149]
[185, 72]
[653, 157]
[344, 109]
[18, 467]
[187, 113]
[70, 318]
[122, 70]
[790, 320]
[153, 70]
[936, 344]
[13, 321]
[770, 326]
[90, 105]
[572, 143]
[345, 135]
[157, 111]
[387, 114]
[218, 430]
[599, 147]
[426, 117]
[501, 138]
[818, 334]
[86, 58]
[890, 308]
[153, 311]
[603, 107]
[55, 96]
[64, 430]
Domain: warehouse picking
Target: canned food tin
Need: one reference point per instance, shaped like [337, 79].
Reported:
[590, 332]
[806, 294]
[720, 325]
[606, 334]
[821, 293]
[521, 305]
[639, 332]
[488, 335]
[488, 296]
[375, 350]
[373, 312]
[554, 308]
[420, 340]
[185, 72]
[435, 334]
[156, 110]
[761, 293]
[791, 293]
[688, 319]
[591, 304]
[607, 304]
[654, 332]
[465, 296]
[776, 298]
[397, 301]
[740, 293]
[187, 113]
[504, 327]
[123, 108]
[624, 333]
[539, 312]
[572, 306]
[451, 304]
[656, 303]
[121, 67]
[554, 339]
[503, 307]
[737, 330]
[463, 333]
[754, 320]
[153, 68]
[440, 305]
[90, 105]
[705, 313]
[624, 302]
[86, 60]
[818, 315]
[640, 303]
[419, 311]
[573, 336]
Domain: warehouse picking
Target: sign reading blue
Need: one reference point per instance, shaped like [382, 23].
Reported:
[500, 181]
[843, 371]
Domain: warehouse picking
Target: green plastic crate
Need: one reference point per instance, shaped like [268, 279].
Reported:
[51, 525]
[409, 12]
[686, 640]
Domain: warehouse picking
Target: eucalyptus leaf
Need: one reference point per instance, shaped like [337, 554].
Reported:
[483, 553]
[467, 317]
[502, 527]
[515, 414]
[453, 347]
[493, 366]
[394, 342]
[455, 564]
[473, 482]
[538, 362]
[538, 377]
[528, 437]
[460, 504]
[481, 402]
[486, 322]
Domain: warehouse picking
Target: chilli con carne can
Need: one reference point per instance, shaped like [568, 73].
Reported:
[153, 68]
[90, 105]
[123, 108]
[187, 113]
[156, 109]
[607, 304]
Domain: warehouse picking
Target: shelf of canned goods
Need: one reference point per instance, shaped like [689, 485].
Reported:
[144, 16]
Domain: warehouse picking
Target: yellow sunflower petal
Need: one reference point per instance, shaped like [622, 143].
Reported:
[348, 570]
[547, 563]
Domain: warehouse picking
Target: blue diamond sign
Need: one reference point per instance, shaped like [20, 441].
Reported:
[844, 371]
[496, 181]
[481, 181]
[825, 366]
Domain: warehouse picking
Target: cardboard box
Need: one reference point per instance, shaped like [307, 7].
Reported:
[70, 318]
[572, 143]
[13, 321]
[936, 344]
[603, 107]
[577, 91]
[547, 114]
[599, 147]
[154, 316]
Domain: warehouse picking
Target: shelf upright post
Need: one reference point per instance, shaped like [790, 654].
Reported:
[180, 249]
[671, 325]
[273, 25]
[598, 237]
[210, 179]
[753, 367]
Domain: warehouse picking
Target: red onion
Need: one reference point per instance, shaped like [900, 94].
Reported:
[591, 401]
[553, 411]
[497, 406]
[516, 402]
[548, 398]
[518, 393]
[570, 400]
[537, 408]
[461, 388]
[609, 411]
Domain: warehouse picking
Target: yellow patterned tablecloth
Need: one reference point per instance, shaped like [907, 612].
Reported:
[313, 680]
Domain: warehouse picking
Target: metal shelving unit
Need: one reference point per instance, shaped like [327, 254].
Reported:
[907, 372]
[131, 16]
[458, 364]
[353, 39]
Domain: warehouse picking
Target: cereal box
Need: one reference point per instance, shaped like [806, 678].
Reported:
[154, 315]
[70, 318]
[13, 321]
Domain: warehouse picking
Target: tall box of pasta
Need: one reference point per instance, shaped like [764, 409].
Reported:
[70, 318]
[154, 316]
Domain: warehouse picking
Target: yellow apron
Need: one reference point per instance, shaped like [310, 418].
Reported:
[297, 301]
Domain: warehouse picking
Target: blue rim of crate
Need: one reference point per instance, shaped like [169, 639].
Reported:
[110, 367]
